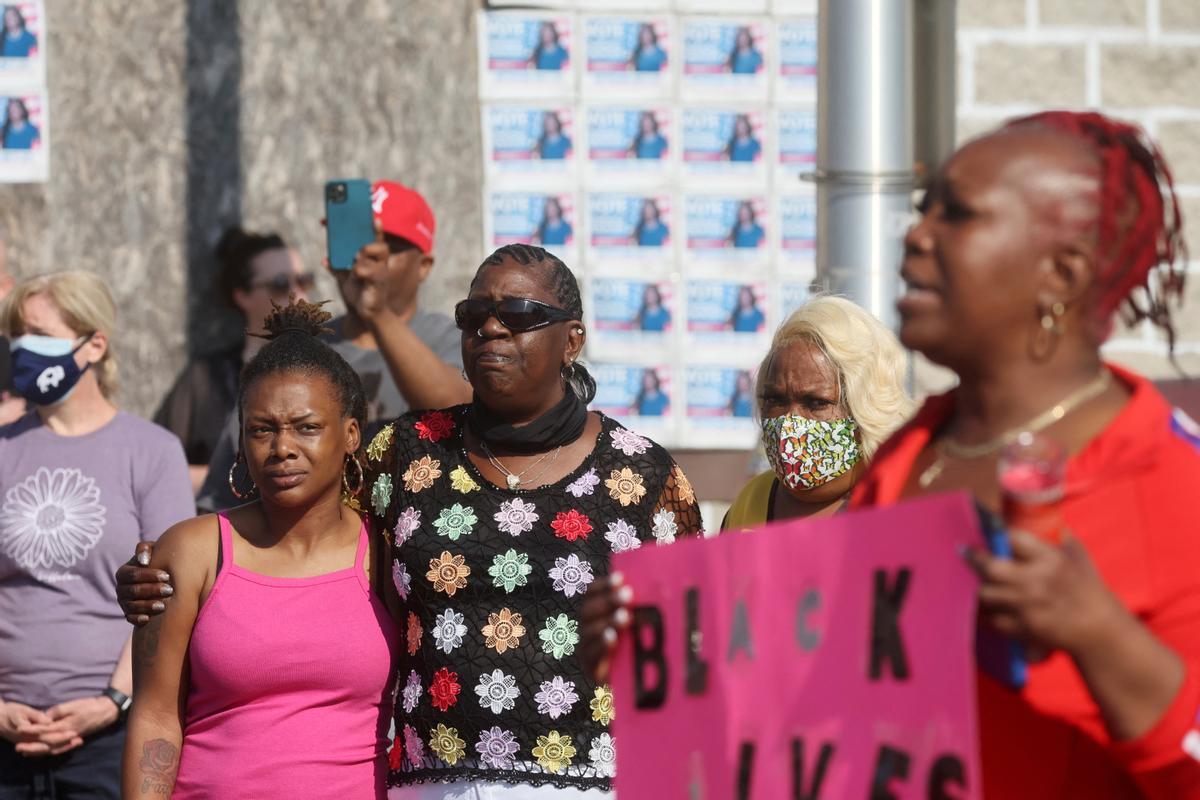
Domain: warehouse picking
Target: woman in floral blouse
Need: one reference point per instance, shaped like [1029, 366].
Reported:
[502, 512]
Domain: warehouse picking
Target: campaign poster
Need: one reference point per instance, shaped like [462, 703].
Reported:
[545, 219]
[724, 143]
[630, 144]
[22, 46]
[796, 78]
[525, 53]
[725, 58]
[797, 232]
[629, 227]
[524, 142]
[726, 227]
[24, 134]
[793, 294]
[720, 6]
[720, 405]
[628, 56]
[796, 132]
[628, 311]
[639, 396]
[727, 314]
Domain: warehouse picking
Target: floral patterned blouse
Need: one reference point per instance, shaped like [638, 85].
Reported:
[492, 579]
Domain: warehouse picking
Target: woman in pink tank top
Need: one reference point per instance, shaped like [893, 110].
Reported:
[269, 673]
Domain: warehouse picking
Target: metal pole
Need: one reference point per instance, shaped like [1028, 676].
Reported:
[864, 149]
[934, 82]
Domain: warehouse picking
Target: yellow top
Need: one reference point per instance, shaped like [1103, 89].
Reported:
[752, 506]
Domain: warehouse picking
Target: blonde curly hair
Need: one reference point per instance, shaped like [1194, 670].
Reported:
[872, 365]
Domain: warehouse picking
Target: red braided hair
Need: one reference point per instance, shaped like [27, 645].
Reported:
[1140, 226]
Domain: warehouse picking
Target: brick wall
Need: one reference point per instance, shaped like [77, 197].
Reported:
[1135, 59]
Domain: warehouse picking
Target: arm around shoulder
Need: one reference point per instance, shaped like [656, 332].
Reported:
[188, 551]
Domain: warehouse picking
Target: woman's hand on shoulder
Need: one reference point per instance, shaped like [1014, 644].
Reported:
[145, 582]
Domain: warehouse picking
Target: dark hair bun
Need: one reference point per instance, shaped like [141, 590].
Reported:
[298, 316]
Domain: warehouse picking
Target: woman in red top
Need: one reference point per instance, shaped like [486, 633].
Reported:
[1030, 241]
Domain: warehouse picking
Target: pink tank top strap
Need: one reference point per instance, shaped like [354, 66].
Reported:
[225, 554]
[360, 557]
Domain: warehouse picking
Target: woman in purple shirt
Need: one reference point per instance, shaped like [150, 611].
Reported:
[80, 483]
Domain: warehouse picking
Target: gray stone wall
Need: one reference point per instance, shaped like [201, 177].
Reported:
[171, 120]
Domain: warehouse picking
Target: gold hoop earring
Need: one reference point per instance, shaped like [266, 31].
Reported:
[358, 483]
[567, 372]
[233, 480]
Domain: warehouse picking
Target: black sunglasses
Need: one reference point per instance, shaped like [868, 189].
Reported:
[518, 314]
[282, 283]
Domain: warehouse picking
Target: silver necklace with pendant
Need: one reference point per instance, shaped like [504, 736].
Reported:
[515, 479]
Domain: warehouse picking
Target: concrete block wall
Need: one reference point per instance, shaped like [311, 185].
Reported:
[1135, 59]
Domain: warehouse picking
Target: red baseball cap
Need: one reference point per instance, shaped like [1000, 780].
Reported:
[403, 212]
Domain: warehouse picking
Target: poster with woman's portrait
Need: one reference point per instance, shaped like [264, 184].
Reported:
[797, 232]
[525, 54]
[796, 132]
[724, 314]
[719, 408]
[629, 145]
[524, 142]
[24, 132]
[544, 219]
[22, 46]
[726, 228]
[638, 396]
[724, 59]
[796, 77]
[729, 143]
[631, 313]
[628, 57]
[629, 227]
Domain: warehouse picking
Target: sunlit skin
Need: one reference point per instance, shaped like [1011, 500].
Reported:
[800, 380]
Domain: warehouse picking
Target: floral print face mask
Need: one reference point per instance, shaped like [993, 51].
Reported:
[807, 453]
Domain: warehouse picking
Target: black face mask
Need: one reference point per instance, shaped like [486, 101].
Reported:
[559, 426]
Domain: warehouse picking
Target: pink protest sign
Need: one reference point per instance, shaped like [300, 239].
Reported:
[814, 659]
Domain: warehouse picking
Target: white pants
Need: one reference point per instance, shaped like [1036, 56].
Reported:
[488, 790]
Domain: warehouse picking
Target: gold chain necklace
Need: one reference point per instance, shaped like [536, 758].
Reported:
[967, 452]
[514, 479]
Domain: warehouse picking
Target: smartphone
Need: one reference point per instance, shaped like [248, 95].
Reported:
[349, 220]
[999, 656]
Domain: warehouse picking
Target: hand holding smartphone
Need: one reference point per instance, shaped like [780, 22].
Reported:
[349, 220]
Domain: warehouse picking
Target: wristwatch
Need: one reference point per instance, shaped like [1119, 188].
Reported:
[122, 700]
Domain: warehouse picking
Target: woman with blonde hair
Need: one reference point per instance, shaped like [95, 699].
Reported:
[80, 483]
[828, 392]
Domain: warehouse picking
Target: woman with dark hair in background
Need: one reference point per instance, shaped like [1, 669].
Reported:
[651, 400]
[744, 58]
[653, 315]
[253, 270]
[746, 232]
[554, 228]
[553, 144]
[741, 402]
[648, 56]
[548, 54]
[746, 317]
[650, 231]
[742, 145]
[18, 42]
[649, 142]
[18, 133]
[501, 512]
[244, 687]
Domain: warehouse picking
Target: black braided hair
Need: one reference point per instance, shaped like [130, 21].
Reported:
[293, 346]
[562, 284]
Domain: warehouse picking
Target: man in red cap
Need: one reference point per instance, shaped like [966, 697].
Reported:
[407, 357]
[421, 349]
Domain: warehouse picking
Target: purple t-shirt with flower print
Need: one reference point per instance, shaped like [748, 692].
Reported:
[71, 510]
